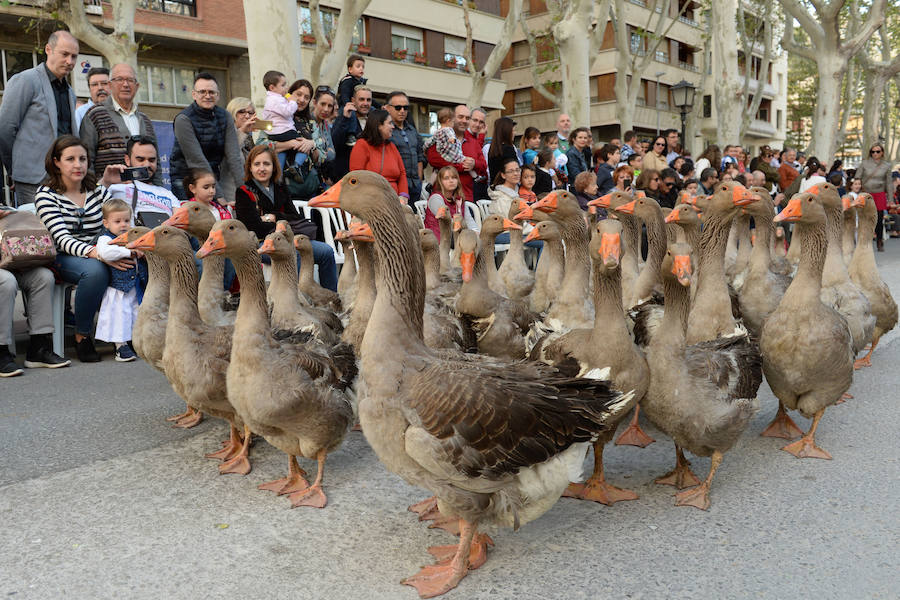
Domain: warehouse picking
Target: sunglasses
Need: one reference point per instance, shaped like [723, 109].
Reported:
[876, 152]
[659, 144]
[399, 106]
[79, 212]
[324, 88]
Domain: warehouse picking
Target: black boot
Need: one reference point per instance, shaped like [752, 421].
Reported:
[85, 350]
[8, 366]
[879, 243]
[40, 353]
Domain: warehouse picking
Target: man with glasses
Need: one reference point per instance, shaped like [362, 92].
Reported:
[348, 128]
[98, 86]
[408, 142]
[107, 126]
[709, 177]
[205, 138]
[671, 144]
[474, 159]
[38, 107]
[668, 188]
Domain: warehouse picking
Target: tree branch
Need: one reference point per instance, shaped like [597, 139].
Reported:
[322, 46]
[789, 45]
[539, 86]
[811, 26]
[470, 59]
[874, 20]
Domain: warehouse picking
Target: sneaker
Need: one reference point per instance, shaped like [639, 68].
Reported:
[8, 366]
[40, 353]
[85, 350]
[124, 353]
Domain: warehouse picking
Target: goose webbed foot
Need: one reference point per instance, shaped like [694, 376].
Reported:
[681, 476]
[477, 551]
[440, 578]
[782, 426]
[596, 487]
[426, 509]
[633, 435]
[239, 463]
[294, 482]
[229, 447]
[698, 497]
[448, 524]
[806, 447]
[844, 397]
[313, 495]
[190, 419]
[190, 411]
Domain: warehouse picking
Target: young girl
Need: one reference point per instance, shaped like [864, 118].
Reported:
[118, 309]
[201, 187]
[447, 191]
[546, 176]
[526, 183]
[551, 140]
[445, 141]
[529, 145]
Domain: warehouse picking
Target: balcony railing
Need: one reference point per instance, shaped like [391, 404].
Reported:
[522, 107]
[662, 57]
[688, 21]
[688, 66]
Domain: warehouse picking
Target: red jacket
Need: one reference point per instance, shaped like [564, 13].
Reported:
[471, 147]
[384, 159]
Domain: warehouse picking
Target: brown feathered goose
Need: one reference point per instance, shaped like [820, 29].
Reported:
[806, 344]
[494, 441]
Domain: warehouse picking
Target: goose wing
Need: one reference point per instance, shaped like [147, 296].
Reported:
[733, 364]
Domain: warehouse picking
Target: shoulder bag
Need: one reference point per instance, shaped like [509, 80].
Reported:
[24, 242]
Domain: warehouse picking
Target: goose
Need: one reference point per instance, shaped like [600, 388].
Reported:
[701, 395]
[500, 324]
[361, 235]
[289, 310]
[549, 273]
[631, 260]
[848, 229]
[838, 289]
[149, 333]
[806, 344]
[196, 218]
[196, 354]
[442, 326]
[607, 346]
[738, 270]
[518, 280]
[495, 441]
[762, 288]
[864, 273]
[648, 211]
[320, 297]
[688, 218]
[346, 285]
[296, 399]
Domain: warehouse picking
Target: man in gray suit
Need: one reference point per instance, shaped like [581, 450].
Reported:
[107, 126]
[38, 106]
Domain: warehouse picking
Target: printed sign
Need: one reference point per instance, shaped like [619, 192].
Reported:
[83, 64]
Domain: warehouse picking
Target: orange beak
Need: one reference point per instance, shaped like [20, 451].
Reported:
[267, 247]
[144, 243]
[361, 232]
[858, 202]
[281, 226]
[682, 269]
[534, 234]
[814, 190]
[640, 194]
[214, 244]
[457, 226]
[592, 210]
[120, 240]
[673, 217]
[442, 213]
[179, 218]
[741, 196]
[792, 212]
[467, 261]
[522, 205]
[628, 209]
[547, 204]
[331, 198]
[343, 234]
[507, 225]
[602, 201]
[524, 214]
[610, 248]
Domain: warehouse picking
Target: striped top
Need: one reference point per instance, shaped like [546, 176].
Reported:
[73, 228]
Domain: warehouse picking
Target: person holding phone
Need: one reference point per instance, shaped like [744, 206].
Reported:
[150, 204]
[623, 176]
[70, 204]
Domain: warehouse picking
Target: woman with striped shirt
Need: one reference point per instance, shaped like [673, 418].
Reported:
[70, 203]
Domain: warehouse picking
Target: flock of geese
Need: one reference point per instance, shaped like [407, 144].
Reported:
[487, 386]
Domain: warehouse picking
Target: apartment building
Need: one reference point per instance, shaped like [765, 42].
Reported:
[419, 47]
[678, 57]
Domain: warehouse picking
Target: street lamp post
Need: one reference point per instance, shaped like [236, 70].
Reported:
[658, 75]
[683, 98]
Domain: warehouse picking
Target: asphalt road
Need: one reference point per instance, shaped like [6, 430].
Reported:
[100, 498]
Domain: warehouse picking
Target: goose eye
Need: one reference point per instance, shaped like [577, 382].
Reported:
[353, 181]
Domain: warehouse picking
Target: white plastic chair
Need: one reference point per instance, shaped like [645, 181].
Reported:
[421, 207]
[333, 220]
[484, 206]
[475, 212]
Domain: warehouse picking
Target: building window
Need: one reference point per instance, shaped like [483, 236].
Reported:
[637, 44]
[329, 25]
[641, 99]
[522, 101]
[455, 53]
[187, 8]
[406, 38]
[778, 119]
[166, 85]
[15, 61]
[707, 106]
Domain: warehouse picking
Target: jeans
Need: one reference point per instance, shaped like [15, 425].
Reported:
[92, 278]
[415, 190]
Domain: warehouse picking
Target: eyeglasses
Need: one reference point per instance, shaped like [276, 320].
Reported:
[246, 111]
[659, 144]
[98, 83]
[876, 152]
[130, 80]
[512, 171]
[210, 93]
[399, 106]
[655, 179]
